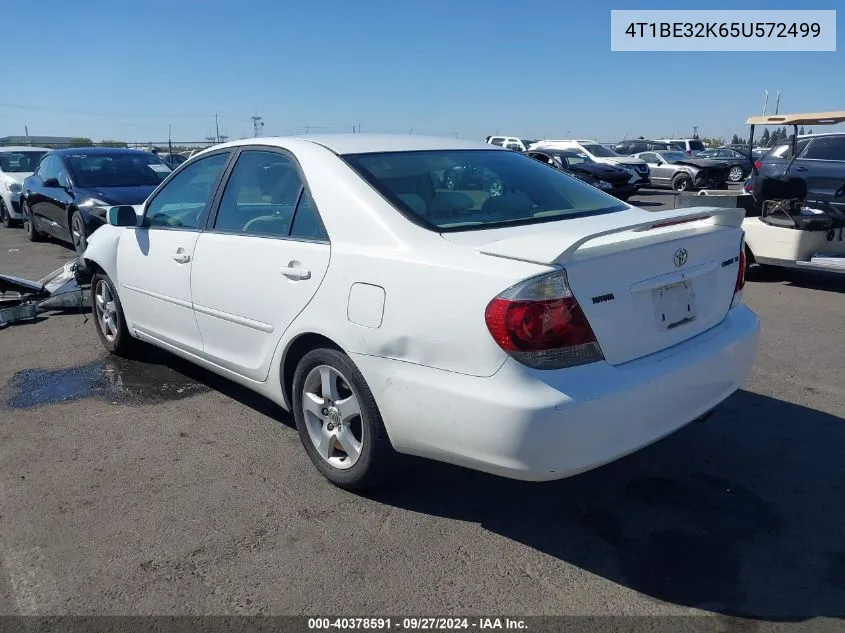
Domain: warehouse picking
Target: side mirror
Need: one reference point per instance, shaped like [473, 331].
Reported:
[122, 216]
[51, 183]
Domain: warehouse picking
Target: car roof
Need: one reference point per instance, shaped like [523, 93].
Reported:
[23, 148]
[374, 143]
[99, 150]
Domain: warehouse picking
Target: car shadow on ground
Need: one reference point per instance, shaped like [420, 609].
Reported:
[811, 280]
[742, 514]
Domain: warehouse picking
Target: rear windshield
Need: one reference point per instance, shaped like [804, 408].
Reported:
[599, 150]
[459, 190]
[20, 162]
[696, 145]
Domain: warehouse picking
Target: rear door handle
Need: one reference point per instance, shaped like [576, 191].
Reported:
[800, 169]
[182, 257]
[295, 271]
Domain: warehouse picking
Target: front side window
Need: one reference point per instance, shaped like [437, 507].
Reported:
[20, 162]
[49, 168]
[454, 190]
[261, 195]
[649, 157]
[182, 202]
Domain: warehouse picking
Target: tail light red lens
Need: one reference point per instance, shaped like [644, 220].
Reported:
[539, 323]
[740, 275]
[758, 164]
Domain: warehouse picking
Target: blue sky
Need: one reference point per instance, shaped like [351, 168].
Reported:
[127, 70]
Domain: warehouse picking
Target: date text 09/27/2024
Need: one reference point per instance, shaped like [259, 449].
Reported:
[416, 624]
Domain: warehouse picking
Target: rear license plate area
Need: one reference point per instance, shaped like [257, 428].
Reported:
[674, 305]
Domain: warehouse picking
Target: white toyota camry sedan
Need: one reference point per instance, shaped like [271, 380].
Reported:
[434, 297]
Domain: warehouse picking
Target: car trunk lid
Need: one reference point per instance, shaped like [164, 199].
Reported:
[646, 282]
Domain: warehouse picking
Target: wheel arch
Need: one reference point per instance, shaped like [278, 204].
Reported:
[296, 348]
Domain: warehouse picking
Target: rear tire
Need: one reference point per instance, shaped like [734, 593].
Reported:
[736, 174]
[338, 421]
[32, 233]
[108, 317]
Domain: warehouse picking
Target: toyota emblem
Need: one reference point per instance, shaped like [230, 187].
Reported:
[681, 257]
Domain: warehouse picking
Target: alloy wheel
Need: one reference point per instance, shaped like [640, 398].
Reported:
[106, 310]
[77, 230]
[735, 173]
[332, 414]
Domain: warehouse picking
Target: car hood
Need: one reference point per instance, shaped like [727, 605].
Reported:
[15, 176]
[601, 171]
[117, 195]
[624, 160]
[702, 163]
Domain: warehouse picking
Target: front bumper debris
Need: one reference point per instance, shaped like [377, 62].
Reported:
[63, 289]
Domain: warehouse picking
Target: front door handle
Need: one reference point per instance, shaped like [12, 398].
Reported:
[181, 256]
[295, 271]
[800, 169]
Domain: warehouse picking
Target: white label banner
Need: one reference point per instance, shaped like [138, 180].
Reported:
[723, 30]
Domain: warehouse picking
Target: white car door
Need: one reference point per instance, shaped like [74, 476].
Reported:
[260, 262]
[154, 261]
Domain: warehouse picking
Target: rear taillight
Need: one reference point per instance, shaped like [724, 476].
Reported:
[740, 275]
[539, 323]
[758, 164]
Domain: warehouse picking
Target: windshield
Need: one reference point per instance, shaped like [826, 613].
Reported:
[599, 150]
[454, 190]
[671, 157]
[116, 170]
[20, 162]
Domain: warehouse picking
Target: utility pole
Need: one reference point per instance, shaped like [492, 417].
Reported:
[217, 127]
[777, 103]
[765, 103]
[257, 125]
[26, 132]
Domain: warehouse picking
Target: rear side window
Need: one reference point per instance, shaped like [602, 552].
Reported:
[459, 190]
[497, 140]
[696, 146]
[826, 148]
[260, 196]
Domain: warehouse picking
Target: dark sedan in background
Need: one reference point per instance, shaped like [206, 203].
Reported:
[69, 193]
[613, 180]
[739, 165]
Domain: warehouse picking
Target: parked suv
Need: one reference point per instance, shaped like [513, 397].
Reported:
[820, 163]
[509, 142]
[638, 169]
[688, 145]
[641, 145]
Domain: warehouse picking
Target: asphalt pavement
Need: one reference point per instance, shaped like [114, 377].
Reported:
[152, 487]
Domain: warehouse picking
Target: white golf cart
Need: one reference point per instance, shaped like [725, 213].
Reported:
[792, 231]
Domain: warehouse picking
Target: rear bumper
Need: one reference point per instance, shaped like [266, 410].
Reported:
[539, 426]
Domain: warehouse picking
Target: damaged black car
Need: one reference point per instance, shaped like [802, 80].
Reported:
[613, 180]
[678, 171]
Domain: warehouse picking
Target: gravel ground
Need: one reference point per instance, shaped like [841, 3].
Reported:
[166, 490]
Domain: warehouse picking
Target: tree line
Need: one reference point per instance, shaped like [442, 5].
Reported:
[769, 139]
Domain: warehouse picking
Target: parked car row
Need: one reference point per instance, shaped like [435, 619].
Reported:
[64, 193]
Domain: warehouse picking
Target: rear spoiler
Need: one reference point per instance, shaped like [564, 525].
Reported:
[569, 237]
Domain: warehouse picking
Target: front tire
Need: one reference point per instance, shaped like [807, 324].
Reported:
[108, 316]
[5, 218]
[78, 233]
[32, 233]
[682, 182]
[339, 422]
